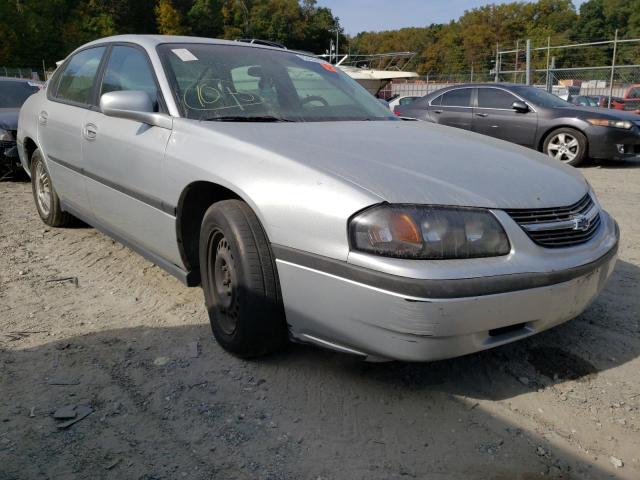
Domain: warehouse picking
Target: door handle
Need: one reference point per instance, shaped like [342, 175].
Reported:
[437, 111]
[483, 115]
[42, 117]
[90, 131]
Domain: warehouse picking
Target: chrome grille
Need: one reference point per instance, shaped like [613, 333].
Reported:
[560, 227]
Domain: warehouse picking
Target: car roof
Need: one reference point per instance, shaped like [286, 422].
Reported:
[150, 42]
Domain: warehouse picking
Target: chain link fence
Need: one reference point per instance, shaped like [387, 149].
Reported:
[607, 68]
[24, 72]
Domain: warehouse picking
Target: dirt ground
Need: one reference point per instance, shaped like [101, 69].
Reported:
[134, 345]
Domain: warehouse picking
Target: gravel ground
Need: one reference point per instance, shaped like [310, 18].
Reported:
[131, 345]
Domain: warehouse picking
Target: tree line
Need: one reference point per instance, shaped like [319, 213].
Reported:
[472, 40]
[36, 30]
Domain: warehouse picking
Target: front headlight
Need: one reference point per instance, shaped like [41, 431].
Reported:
[601, 122]
[428, 232]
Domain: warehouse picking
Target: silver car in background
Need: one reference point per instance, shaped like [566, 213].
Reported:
[304, 208]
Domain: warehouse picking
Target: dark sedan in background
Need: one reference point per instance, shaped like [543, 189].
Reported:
[533, 118]
[13, 93]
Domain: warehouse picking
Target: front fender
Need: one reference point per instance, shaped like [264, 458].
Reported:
[299, 206]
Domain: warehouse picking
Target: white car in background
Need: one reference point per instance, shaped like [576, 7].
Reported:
[401, 100]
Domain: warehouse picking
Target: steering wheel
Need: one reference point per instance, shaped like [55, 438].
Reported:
[314, 98]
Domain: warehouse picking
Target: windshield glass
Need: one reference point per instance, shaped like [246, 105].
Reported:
[540, 97]
[218, 82]
[13, 94]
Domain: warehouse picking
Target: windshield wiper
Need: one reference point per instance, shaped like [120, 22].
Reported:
[240, 118]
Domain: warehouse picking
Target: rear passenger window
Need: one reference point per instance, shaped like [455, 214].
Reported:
[129, 69]
[79, 75]
[457, 98]
[436, 101]
[495, 98]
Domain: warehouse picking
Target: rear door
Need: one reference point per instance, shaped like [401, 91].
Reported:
[452, 108]
[60, 123]
[494, 116]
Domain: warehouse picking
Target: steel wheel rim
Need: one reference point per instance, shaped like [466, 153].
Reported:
[563, 147]
[43, 189]
[223, 279]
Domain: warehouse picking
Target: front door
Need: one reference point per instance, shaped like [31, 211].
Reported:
[124, 160]
[495, 116]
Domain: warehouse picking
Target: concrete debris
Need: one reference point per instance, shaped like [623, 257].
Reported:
[81, 412]
[616, 462]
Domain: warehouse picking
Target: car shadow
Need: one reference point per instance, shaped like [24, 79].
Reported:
[611, 164]
[163, 406]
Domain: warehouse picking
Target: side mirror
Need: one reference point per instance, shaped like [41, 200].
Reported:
[520, 107]
[134, 105]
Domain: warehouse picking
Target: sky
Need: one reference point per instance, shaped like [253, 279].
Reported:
[365, 15]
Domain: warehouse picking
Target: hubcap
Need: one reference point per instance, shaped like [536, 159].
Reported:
[563, 147]
[225, 284]
[43, 189]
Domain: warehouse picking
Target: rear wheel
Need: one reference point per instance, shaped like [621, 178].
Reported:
[567, 145]
[240, 281]
[45, 196]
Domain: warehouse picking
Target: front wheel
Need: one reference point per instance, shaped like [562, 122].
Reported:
[567, 145]
[240, 281]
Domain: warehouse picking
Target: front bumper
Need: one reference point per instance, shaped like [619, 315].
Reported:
[356, 314]
[607, 143]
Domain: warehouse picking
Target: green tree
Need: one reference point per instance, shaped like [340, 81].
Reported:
[169, 19]
[205, 18]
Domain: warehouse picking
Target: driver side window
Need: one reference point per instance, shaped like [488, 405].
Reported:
[129, 69]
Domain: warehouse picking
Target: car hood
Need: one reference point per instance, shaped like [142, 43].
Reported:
[9, 118]
[418, 162]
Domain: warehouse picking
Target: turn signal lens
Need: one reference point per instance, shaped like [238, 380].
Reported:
[428, 232]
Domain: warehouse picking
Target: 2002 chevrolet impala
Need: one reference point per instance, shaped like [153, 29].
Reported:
[304, 209]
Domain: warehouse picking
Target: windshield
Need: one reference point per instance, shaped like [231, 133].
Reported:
[13, 94]
[228, 82]
[540, 97]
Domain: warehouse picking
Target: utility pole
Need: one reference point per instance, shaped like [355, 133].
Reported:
[528, 60]
[548, 59]
[613, 67]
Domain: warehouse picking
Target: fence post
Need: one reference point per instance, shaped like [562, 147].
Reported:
[528, 72]
[497, 68]
[471, 73]
[613, 66]
[515, 73]
[549, 86]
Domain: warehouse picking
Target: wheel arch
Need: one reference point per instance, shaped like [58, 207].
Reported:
[546, 133]
[195, 200]
[30, 146]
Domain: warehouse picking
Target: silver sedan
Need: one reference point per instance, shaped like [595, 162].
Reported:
[304, 208]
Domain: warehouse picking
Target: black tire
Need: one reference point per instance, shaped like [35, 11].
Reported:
[240, 281]
[572, 152]
[46, 199]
